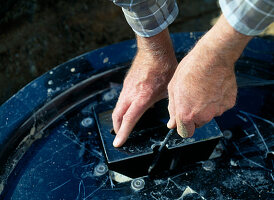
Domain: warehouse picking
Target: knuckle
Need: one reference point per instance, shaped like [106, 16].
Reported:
[145, 90]
[142, 100]
[116, 116]
[127, 118]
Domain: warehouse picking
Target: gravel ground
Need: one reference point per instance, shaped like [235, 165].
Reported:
[37, 35]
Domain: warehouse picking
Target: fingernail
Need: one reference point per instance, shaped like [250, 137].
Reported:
[181, 129]
[116, 142]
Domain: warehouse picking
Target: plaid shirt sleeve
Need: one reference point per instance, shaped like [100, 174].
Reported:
[249, 17]
[148, 17]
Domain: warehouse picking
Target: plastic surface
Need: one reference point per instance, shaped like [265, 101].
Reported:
[143, 142]
[48, 152]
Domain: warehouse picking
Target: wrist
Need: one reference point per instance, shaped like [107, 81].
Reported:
[224, 40]
[155, 60]
[158, 46]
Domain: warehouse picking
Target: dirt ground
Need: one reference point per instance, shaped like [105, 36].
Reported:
[37, 35]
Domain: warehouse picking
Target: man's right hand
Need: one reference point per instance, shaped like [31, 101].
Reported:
[145, 84]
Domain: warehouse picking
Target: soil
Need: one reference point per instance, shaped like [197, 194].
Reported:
[37, 35]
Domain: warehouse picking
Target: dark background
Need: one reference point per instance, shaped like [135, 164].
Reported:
[37, 35]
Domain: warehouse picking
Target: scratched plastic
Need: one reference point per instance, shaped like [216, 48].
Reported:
[59, 158]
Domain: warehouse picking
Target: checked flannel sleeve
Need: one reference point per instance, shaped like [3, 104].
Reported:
[148, 17]
[249, 17]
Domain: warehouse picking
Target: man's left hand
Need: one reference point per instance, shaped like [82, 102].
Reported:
[204, 83]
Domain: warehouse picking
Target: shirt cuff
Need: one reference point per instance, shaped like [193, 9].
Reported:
[150, 17]
[249, 17]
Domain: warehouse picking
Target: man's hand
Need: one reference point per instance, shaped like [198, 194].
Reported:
[145, 83]
[204, 84]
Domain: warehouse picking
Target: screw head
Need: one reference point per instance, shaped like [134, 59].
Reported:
[208, 165]
[100, 169]
[87, 122]
[227, 134]
[137, 184]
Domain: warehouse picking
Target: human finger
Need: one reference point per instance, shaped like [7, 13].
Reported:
[130, 118]
[206, 115]
[172, 112]
[185, 128]
[118, 113]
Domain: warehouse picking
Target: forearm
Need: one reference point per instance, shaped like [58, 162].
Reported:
[225, 41]
[157, 49]
[145, 83]
[158, 46]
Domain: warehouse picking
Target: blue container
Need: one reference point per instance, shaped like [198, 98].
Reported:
[50, 147]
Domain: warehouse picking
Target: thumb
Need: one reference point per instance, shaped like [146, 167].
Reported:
[185, 129]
